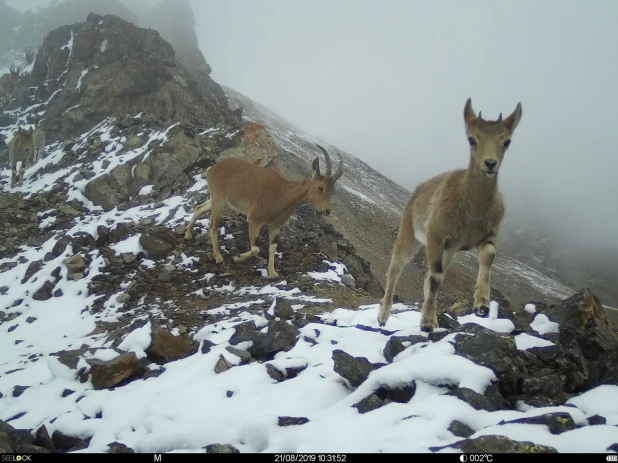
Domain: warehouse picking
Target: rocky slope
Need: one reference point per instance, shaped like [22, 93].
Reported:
[117, 335]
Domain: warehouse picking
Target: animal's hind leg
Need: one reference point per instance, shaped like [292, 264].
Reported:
[254, 231]
[217, 208]
[200, 210]
[404, 251]
[13, 176]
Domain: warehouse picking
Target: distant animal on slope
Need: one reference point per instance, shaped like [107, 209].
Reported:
[38, 143]
[20, 149]
[452, 212]
[265, 197]
[8, 82]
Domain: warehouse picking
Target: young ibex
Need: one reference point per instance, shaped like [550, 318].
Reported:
[38, 144]
[20, 149]
[454, 212]
[8, 82]
[265, 197]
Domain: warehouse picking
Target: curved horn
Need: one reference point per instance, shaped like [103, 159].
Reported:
[339, 169]
[500, 118]
[328, 163]
[480, 117]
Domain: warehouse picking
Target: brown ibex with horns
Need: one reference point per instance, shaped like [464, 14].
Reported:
[9, 81]
[265, 197]
[453, 212]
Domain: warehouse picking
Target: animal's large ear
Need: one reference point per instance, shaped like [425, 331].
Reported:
[469, 115]
[513, 120]
[316, 169]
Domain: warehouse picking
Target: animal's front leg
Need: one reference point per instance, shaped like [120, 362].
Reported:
[487, 254]
[272, 249]
[439, 260]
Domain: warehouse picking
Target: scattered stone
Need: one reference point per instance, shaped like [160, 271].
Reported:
[369, 403]
[472, 398]
[123, 297]
[156, 247]
[281, 336]
[222, 365]
[106, 374]
[550, 386]
[283, 309]
[33, 268]
[68, 210]
[44, 293]
[221, 448]
[117, 447]
[402, 394]
[242, 329]
[19, 390]
[274, 373]
[496, 444]
[169, 268]
[43, 439]
[291, 421]
[395, 345]
[460, 429]
[206, 346]
[129, 258]
[354, 369]
[76, 276]
[61, 245]
[596, 420]
[165, 277]
[62, 442]
[556, 422]
[348, 280]
[244, 356]
[165, 347]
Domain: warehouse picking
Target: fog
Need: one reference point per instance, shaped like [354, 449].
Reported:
[387, 82]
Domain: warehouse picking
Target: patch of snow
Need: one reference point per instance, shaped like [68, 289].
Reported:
[128, 245]
[530, 308]
[525, 341]
[146, 190]
[542, 325]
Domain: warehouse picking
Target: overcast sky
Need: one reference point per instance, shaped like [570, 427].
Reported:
[387, 81]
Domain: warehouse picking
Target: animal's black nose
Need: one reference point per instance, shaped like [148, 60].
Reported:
[491, 163]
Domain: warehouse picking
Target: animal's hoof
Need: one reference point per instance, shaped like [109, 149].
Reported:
[482, 311]
[273, 275]
[218, 259]
[427, 327]
[188, 236]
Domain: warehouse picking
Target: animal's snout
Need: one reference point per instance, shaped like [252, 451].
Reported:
[490, 163]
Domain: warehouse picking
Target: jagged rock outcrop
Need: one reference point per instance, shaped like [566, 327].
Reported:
[109, 67]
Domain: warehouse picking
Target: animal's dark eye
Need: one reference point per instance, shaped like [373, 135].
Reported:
[507, 143]
[472, 141]
[321, 189]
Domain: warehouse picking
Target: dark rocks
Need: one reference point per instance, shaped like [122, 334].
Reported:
[206, 346]
[156, 247]
[61, 245]
[75, 263]
[283, 309]
[281, 336]
[245, 357]
[33, 268]
[44, 293]
[354, 369]
[165, 277]
[242, 329]
[556, 422]
[274, 373]
[42, 439]
[550, 386]
[395, 345]
[221, 448]
[497, 352]
[472, 398]
[222, 365]
[596, 420]
[64, 442]
[369, 403]
[496, 444]
[291, 421]
[117, 447]
[19, 390]
[460, 429]
[165, 347]
[106, 374]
